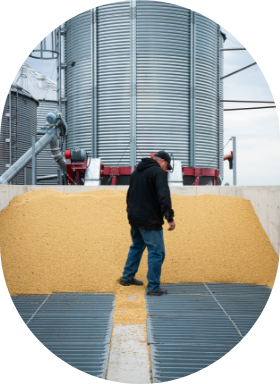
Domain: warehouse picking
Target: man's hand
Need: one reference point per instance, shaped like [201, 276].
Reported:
[171, 226]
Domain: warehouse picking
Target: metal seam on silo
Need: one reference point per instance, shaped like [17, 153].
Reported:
[58, 60]
[218, 97]
[222, 106]
[133, 84]
[10, 128]
[94, 83]
[192, 92]
[17, 132]
[221, 154]
[206, 92]
[221, 120]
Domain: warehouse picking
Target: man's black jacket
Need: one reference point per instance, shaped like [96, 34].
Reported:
[148, 196]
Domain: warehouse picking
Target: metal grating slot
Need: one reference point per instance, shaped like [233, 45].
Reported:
[196, 324]
[244, 303]
[76, 327]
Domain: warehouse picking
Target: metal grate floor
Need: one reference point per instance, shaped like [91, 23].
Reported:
[194, 325]
[76, 327]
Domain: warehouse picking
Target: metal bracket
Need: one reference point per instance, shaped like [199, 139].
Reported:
[115, 171]
[55, 161]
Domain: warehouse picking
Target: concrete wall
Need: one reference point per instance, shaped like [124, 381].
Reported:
[265, 200]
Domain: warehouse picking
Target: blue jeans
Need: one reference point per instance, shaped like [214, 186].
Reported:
[141, 239]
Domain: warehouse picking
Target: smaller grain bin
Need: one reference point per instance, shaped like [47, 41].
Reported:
[45, 91]
[18, 125]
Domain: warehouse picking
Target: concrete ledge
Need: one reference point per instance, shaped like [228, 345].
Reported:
[264, 199]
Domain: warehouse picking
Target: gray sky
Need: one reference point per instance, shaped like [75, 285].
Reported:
[257, 131]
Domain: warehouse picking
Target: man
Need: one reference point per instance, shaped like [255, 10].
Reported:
[148, 201]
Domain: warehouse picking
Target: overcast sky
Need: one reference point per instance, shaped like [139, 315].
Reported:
[257, 131]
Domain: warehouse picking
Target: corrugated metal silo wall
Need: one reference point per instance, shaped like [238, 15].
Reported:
[78, 81]
[178, 87]
[44, 162]
[163, 79]
[24, 125]
[113, 83]
[221, 111]
[206, 93]
[4, 135]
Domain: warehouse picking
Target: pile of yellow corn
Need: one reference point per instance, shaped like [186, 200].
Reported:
[59, 242]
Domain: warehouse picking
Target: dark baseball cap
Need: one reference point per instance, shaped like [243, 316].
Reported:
[165, 156]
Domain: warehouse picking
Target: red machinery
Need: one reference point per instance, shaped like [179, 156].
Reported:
[230, 159]
[76, 163]
[198, 173]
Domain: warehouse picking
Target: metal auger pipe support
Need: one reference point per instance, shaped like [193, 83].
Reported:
[26, 158]
[57, 153]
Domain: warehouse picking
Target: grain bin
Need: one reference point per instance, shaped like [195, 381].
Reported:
[18, 125]
[143, 76]
[45, 91]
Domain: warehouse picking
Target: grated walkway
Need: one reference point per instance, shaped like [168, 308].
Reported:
[188, 329]
[196, 324]
[76, 327]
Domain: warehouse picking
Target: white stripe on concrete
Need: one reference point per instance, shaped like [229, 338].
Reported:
[129, 357]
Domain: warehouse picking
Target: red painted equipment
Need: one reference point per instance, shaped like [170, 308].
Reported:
[186, 171]
[76, 171]
[230, 159]
[201, 172]
[69, 167]
[76, 167]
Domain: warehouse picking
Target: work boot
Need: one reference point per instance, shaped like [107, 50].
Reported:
[131, 282]
[159, 292]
